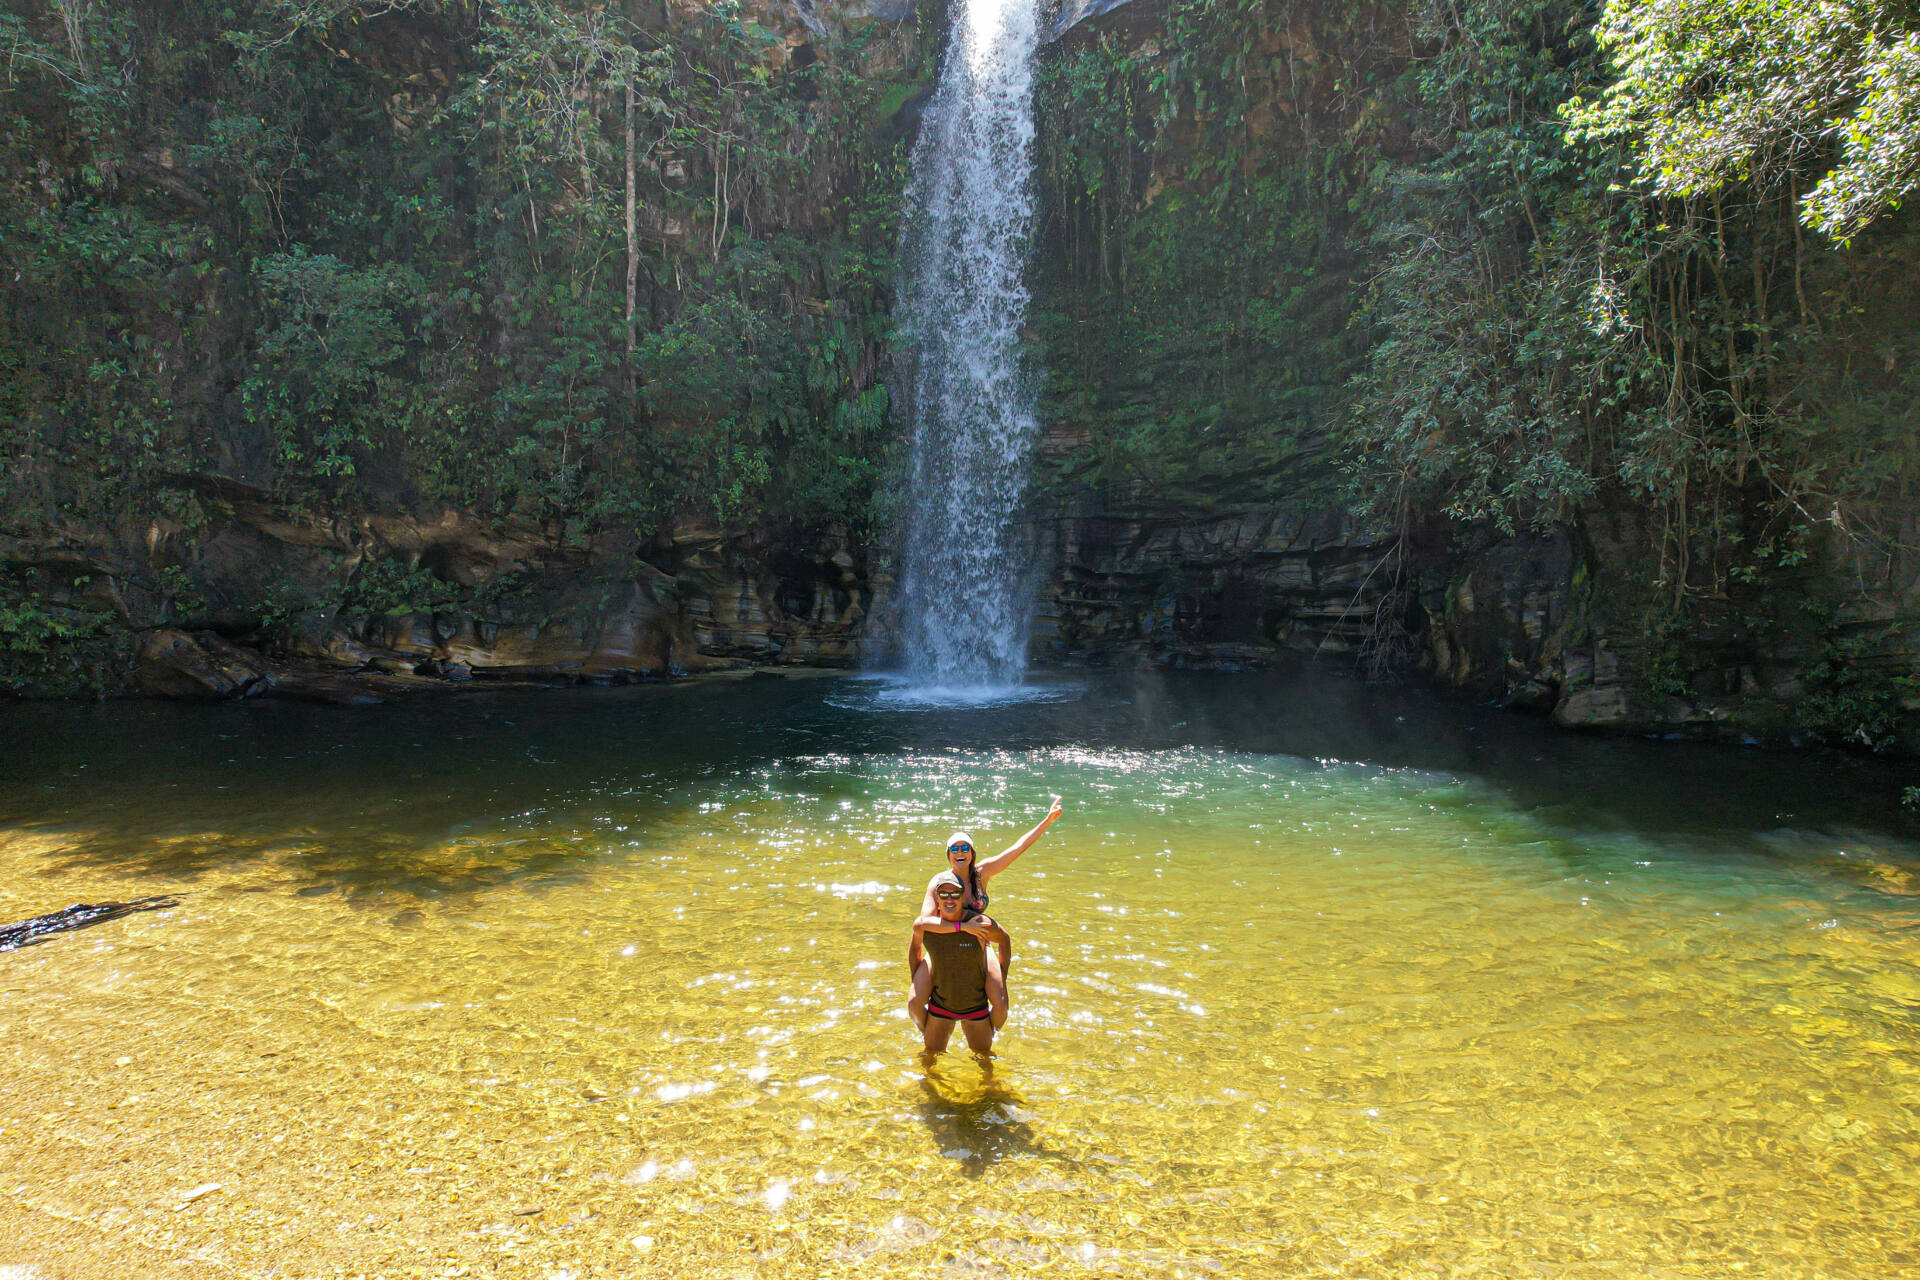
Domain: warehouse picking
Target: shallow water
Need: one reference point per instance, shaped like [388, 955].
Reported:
[1311, 980]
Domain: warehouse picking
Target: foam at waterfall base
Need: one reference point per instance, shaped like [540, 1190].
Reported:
[898, 692]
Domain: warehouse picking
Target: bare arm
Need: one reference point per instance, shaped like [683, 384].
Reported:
[1001, 861]
[987, 929]
[916, 950]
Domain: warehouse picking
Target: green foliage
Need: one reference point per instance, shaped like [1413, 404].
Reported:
[1192, 315]
[1662, 666]
[1713, 94]
[179, 593]
[320, 381]
[1498, 309]
[46, 647]
[1548, 339]
[381, 252]
[1854, 691]
[394, 586]
[1849, 702]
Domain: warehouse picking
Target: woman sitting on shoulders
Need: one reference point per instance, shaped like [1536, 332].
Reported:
[973, 874]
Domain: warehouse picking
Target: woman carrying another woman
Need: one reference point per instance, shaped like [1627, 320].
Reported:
[973, 873]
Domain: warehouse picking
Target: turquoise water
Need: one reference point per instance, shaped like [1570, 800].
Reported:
[1313, 978]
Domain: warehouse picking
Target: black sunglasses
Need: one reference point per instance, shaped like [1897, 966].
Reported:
[959, 848]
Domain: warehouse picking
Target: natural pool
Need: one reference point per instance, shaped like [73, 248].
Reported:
[1313, 979]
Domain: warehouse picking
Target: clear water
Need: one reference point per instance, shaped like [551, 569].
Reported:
[962, 599]
[1311, 980]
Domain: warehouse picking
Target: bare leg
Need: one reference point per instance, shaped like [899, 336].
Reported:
[940, 1030]
[997, 962]
[980, 1037]
[922, 992]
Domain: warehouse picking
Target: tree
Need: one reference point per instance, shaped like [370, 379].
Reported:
[1823, 94]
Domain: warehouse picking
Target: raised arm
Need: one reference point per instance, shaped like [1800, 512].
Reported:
[1001, 861]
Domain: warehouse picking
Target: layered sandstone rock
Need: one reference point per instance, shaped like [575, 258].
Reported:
[204, 618]
[1236, 589]
[173, 664]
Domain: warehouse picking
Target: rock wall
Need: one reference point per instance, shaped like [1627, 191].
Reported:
[1559, 624]
[175, 611]
[218, 603]
[1552, 624]
[1223, 591]
[1677, 621]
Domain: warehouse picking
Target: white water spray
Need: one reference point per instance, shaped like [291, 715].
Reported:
[963, 618]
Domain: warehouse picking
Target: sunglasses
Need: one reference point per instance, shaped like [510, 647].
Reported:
[949, 897]
[959, 848]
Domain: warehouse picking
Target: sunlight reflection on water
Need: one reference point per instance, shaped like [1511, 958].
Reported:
[1345, 1011]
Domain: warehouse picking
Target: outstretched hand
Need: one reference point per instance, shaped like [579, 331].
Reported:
[1055, 811]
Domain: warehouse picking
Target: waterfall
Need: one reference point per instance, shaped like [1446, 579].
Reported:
[962, 613]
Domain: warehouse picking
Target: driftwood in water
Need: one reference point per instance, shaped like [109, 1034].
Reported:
[77, 916]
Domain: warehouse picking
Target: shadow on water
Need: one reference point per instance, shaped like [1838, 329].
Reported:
[455, 796]
[435, 798]
[975, 1116]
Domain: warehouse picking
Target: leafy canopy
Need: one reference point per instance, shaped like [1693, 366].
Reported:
[1714, 93]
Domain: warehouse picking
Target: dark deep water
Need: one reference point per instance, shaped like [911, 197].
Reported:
[354, 780]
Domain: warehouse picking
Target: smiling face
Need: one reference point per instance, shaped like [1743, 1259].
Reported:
[960, 853]
[950, 900]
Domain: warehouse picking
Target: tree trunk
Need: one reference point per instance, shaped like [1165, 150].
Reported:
[633, 252]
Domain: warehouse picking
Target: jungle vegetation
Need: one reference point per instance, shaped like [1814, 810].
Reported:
[1638, 271]
[1469, 266]
[1502, 256]
[580, 263]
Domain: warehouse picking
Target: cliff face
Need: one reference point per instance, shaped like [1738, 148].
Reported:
[1543, 623]
[176, 613]
[1285, 422]
[1559, 624]
[1346, 358]
[491, 343]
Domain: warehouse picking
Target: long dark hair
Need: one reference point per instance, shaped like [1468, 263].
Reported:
[974, 892]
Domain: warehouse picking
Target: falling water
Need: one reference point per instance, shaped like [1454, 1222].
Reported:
[963, 623]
